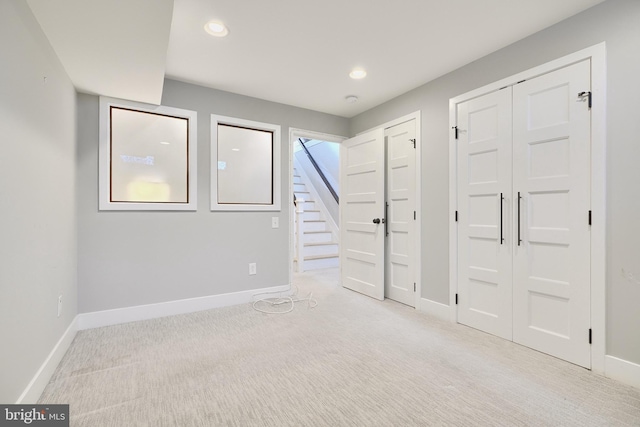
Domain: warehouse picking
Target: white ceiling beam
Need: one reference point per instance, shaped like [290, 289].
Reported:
[116, 48]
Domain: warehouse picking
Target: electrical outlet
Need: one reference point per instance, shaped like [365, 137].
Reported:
[59, 305]
[252, 268]
[275, 222]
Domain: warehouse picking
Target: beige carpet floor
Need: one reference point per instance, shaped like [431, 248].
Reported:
[351, 361]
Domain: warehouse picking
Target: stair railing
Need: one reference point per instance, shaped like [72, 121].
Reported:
[317, 168]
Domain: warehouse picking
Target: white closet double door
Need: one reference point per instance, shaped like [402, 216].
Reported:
[523, 189]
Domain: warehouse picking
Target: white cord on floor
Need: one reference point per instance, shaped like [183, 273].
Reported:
[276, 301]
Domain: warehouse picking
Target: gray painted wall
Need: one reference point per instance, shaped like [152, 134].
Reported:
[617, 22]
[37, 199]
[133, 258]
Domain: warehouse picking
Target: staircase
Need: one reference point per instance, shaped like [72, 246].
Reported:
[319, 245]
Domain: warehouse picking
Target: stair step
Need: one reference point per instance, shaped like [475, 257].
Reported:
[317, 237]
[309, 205]
[315, 225]
[315, 249]
[319, 262]
[311, 215]
[312, 257]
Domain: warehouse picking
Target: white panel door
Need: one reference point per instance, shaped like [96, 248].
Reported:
[551, 132]
[484, 189]
[362, 214]
[400, 221]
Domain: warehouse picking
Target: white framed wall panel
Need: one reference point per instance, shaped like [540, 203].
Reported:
[155, 178]
[216, 204]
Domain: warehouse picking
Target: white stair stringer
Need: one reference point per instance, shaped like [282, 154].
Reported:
[319, 230]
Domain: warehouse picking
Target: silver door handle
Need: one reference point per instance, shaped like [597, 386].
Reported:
[501, 231]
[519, 239]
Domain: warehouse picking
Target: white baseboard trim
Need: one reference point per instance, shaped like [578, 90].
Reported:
[434, 308]
[42, 377]
[116, 316]
[622, 370]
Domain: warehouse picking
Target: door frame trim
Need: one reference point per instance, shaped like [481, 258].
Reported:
[597, 55]
[420, 304]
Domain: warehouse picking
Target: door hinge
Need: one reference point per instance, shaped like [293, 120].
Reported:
[414, 286]
[456, 216]
[456, 299]
[455, 128]
[414, 215]
[590, 335]
[589, 217]
[588, 94]
[414, 142]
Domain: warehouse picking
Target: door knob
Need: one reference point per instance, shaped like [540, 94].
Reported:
[376, 220]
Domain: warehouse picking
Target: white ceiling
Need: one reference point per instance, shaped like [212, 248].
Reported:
[289, 51]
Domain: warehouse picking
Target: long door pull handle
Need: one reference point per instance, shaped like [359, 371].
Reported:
[386, 215]
[519, 239]
[501, 234]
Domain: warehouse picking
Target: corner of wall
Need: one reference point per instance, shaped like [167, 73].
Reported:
[36, 386]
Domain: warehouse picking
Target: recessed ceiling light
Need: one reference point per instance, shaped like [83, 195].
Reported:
[351, 99]
[358, 73]
[216, 28]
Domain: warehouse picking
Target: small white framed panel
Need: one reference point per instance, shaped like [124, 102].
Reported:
[147, 157]
[245, 165]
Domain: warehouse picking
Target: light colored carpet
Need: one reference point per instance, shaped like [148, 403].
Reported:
[351, 361]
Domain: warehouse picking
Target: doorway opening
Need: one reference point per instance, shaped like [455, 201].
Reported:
[314, 198]
[316, 189]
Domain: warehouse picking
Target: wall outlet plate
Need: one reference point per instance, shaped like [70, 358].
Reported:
[252, 268]
[275, 222]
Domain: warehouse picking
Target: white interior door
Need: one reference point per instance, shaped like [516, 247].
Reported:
[362, 214]
[400, 213]
[551, 131]
[484, 189]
